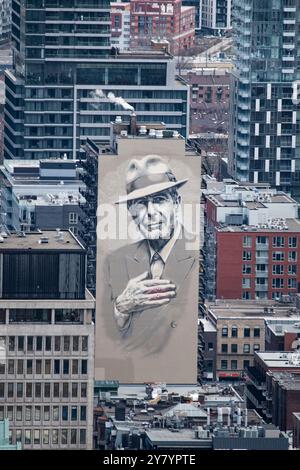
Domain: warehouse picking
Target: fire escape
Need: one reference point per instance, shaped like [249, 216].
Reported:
[89, 211]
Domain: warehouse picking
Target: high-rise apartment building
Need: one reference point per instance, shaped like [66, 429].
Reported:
[64, 69]
[5, 20]
[215, 16]
[47, 342]
[264, 136]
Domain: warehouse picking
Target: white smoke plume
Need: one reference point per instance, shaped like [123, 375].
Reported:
[119, 100]
[111, 98]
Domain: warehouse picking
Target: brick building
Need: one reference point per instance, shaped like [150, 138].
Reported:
[255, 232]
[162, 19]
[233, 331]
[273, 387]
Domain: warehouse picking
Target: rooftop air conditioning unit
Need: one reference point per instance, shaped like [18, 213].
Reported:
[44, 240]
[118, 120]
[143, 130]
[159, 134]
[152, 133]
[123, 133]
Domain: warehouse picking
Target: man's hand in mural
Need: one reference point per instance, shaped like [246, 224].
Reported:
[141, 294]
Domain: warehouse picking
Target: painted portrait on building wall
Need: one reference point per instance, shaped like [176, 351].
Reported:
[147, 278]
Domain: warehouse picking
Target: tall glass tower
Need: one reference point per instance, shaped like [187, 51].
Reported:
[64, 68]
[264, 142]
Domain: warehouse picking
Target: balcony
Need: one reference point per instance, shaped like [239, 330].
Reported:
[262, 274]
[261, 287]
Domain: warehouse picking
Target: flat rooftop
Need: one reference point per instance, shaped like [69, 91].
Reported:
[291, 225]
[278, 328]
[280, 359]
[253, 309]
[208, 326]
[32, 241]
[172, 437]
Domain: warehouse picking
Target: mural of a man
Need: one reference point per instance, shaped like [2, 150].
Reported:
[148, 281]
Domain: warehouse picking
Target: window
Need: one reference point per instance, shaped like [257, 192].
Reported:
[292, 256]
[28, 390]
[29, 366]
[292, 269]
[47, 390]
[39, 343]
[65, 390]
[278, 242]
[234, 348]
[247, 241]
[30, 343]
[64, 413]
[73, 436]
[74, 390]
[46, 436]
[11, 343]
[20, 343]
[247, 332]
[64, 436]
[75, 343]
[256, 347]
[11, 366]
[261, 240]
[246, 364]
[48, 345]
[10, 413]
[278, 256]
[56, 390]
[66, 343]
[234, 365]
[82, 436]
[38, 366]
[292, 242]
[19, 435]
[20, 369]
[83, 413]
[47, 413]
[234, 332]
[84, 345]
[246, 295]
[19, 415]
[83, 390]
[277, 269]
[256, 332]
[65, 366]
[38, 390]
[75, 366]
[292, 284]
[37, 413]
[246, 283]
[27, 436]
[37, 436]
[224, 331]
[246, 348]
[73, 218]
[55, 413]
[223, 364]
[210, 346]
[74, 413]
[57, 343]
[246, 269]
[19, 390]
[54, 436]
[84, 366]
[278, 283]
[224, 348]
[28, 411]
[47, 366]
[56, 366]
[1, 390]
[246, 255]
[10, 390]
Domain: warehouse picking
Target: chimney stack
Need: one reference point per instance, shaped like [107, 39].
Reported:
[133, 124]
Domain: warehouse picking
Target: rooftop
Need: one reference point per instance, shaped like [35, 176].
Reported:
[41, 241]
[280, 359]
[272, 226]
[279, 327]
[208, 326]
[252, 309]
